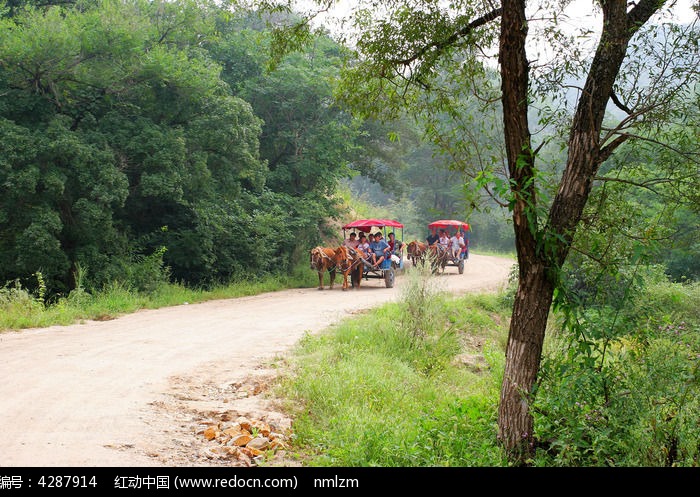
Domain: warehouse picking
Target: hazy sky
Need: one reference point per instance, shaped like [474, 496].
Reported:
[579, 9]
[581, 13]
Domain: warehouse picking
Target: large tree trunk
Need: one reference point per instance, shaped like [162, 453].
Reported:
[523, 353]
[542, 251]
[531, 306]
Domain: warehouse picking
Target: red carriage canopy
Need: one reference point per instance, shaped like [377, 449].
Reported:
[449, 223]
[366, 225]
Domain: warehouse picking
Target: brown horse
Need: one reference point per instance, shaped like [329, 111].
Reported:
[416, 252]
[322, 260]
[361, 258]
[439, 256]
[350, 262]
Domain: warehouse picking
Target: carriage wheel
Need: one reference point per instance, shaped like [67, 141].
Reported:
[461, 266]
[389, 278]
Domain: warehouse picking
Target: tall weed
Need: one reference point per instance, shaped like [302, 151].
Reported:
[19, 307]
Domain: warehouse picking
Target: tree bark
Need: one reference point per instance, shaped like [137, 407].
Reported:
[523, 353]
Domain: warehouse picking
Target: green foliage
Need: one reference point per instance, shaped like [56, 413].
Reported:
[680, 258]
[18, 305]
[148, 272]
[623, 390]
[491, 230]
[117, 121]
[305, 137]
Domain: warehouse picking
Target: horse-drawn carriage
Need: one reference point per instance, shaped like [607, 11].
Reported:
[439, 256]
[356, 265]
[444, 257]
[393, 262]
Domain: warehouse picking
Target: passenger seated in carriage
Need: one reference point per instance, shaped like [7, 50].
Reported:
[391, 241]
[396, 248]
[352, 242]
[444, 241]
[465, 250]
[364, 245]
[432, 237]
[395, 245]
[379, 249]
[457, 245]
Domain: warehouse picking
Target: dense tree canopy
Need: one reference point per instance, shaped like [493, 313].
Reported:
[154, 133]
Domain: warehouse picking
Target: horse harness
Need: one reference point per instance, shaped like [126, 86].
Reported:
[351, 260]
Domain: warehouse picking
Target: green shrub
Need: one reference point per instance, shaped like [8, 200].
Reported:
[19, 307]
[624, 391]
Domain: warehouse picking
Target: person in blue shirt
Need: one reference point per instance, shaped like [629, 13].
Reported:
[379, 249]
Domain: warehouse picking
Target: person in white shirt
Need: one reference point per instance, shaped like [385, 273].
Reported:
[364, 246]
[444, 241]
[457, 244]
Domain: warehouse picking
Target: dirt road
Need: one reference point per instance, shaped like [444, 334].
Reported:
[133, 391]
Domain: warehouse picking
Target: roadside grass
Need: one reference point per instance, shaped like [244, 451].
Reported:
[495, 253]
[414, 383]
[21, 309]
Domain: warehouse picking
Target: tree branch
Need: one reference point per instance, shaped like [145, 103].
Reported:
[619, 104]
[439, 46]
[641, 12]
[647, 185]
